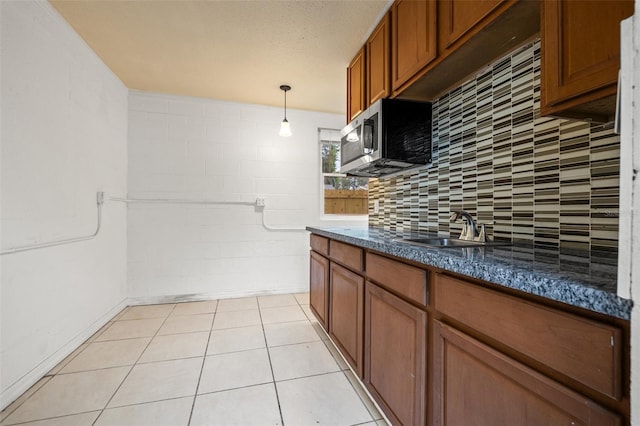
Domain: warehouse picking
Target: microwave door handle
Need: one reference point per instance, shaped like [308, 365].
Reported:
[367, 135]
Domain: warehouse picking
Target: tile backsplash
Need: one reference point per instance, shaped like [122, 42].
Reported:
[544, 180]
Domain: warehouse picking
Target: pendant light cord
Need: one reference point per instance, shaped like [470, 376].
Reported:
[285, 88]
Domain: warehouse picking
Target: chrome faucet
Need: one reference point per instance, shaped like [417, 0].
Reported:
[469, 229]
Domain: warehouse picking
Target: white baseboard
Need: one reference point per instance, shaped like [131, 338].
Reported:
[198, 297]
[20, 386]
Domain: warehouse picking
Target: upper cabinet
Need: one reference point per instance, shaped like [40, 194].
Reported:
[438, 44]
[581, 57]
[356, 86]
[368, 74]
[423, 48]
[378, 77]
[413, 40]
[459, 18]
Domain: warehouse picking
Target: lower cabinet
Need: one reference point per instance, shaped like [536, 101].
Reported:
[437, 349]
[319, 287]
[345, 313]
[395, 355]
[474, 384]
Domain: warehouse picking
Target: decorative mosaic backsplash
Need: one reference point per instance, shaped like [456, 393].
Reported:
[549, 181]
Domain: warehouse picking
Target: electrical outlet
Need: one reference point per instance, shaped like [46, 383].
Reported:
[376, 206]
[100, 197]
[260, 202]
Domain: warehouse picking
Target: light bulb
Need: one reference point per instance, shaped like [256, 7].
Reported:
[353, 136]
[285, 128]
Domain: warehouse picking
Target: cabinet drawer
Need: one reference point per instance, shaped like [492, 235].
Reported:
[320, 244]
[346, 254]
[406, 280]
[477, 385]
[583, 350]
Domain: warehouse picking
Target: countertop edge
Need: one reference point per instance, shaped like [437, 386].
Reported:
[543, 284]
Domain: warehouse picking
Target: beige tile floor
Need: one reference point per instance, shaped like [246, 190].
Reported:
[248, 361]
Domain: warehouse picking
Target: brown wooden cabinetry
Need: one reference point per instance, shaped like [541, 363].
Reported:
[368, 74]
[378, 62]
[395, 355]
[413, 39]
[581, 56]
[440, 349]
[584, 351]
[346, 254]
[346, 303]
[356, 87]
[458, 18]
[497, 390]
[470, 34]
[319, 288]
[408, 281]
[319, 244]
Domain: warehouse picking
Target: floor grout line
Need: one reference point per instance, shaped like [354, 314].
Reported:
[275, 388]
[308, 321]
[49, 418]
[132, 367]
[204, 359]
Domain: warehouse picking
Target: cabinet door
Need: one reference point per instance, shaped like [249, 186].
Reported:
[413, 39]
[378, 62]
[584, 351]
[457, 18]
[345, 314]
[475, 384]
[319, 287]
[395, 355]
[356, 102]
[580, 51]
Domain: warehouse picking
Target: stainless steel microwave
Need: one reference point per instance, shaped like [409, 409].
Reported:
[390, 136]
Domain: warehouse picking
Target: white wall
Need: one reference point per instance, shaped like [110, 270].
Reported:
[630, 149]
[64, 130]
[193, 148]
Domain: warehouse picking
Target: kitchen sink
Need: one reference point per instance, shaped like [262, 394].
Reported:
[450, 242]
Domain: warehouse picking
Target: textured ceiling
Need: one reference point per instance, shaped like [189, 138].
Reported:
[232, 50]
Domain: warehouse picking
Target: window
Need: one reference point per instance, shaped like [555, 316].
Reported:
[343, 195]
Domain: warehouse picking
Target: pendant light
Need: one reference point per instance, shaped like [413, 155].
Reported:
[285, 128]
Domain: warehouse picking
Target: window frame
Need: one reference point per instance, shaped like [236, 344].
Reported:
[322, 175]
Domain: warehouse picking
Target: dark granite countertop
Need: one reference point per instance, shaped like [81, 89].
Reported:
[580, 278]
